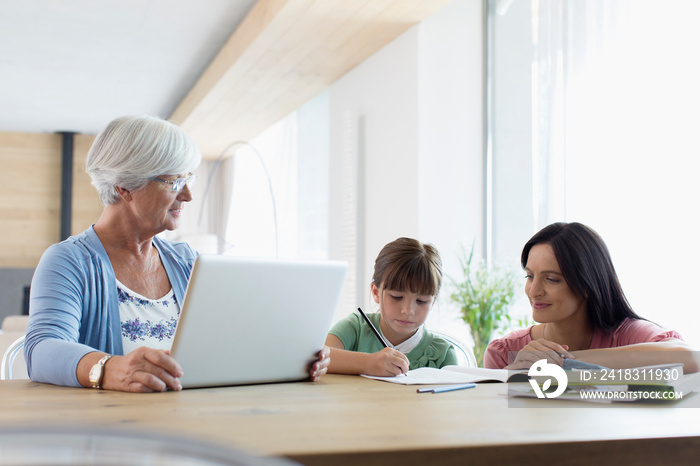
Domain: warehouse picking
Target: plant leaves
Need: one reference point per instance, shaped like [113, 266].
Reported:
[484, 295]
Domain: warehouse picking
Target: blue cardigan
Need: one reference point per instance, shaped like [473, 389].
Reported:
[74, 308]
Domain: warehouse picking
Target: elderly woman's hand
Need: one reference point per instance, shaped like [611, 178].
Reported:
[320, 367]
[142, 370]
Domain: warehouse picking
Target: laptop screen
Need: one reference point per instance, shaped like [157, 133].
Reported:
[247, 321]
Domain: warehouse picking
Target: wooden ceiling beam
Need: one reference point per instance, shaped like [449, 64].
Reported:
[283, 54]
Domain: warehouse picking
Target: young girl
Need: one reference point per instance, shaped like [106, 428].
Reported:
[582, 311]
[405, 284]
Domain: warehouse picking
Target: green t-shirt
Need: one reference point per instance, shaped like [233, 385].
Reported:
[356, 335]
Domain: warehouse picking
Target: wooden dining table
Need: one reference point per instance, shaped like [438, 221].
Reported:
[352, 420]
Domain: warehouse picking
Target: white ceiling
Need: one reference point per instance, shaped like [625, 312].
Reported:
[224, 70]
[74, 65]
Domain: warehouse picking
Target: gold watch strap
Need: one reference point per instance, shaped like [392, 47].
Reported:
[101, 363]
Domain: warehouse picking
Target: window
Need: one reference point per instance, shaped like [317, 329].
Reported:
[595, 116]
[279, 194]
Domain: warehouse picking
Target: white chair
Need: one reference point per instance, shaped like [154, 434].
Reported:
[14, 323]
[8, 371]
[465, 355]
[11, 347]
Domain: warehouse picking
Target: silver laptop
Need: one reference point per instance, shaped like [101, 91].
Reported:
[248, 321]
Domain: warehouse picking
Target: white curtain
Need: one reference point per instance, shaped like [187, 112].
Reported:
[217, 205]
[568, 38]
[206, 217]
[614, 116]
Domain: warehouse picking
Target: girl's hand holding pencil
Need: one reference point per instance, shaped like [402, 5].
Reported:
[387, 356]
[387, 361]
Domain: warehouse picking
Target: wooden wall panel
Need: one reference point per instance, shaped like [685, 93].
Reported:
[86, 203]
[30, 195]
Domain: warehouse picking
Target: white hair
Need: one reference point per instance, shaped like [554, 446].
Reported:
[132, 149]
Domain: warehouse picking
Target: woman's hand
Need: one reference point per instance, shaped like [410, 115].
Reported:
[553, 352]
[142, 370]
[320, 367]
[386, 363]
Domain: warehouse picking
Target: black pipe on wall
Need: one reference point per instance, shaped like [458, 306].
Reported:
[66, 183]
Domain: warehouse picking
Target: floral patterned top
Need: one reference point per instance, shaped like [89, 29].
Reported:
[147, 322]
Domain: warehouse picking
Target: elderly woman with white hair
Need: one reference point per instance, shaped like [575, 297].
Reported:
[105, 303]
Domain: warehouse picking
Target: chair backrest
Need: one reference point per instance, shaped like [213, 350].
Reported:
[465, 355]
[8, 369]
[15, 323]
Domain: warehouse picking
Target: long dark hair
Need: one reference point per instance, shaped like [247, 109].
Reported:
[587, 268]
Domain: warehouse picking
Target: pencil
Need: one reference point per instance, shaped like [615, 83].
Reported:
[374, 329]
[446, 388]
[376, 332]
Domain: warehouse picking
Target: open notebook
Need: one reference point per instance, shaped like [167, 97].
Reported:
[246, 321]
[661, 377]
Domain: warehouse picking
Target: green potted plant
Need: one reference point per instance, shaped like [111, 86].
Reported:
[484, 295]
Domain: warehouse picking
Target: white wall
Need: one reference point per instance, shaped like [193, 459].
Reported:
[451, 121]
[513, 178]
[513, 222]
[412, 115]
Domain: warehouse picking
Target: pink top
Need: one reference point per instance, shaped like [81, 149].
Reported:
[629, 332]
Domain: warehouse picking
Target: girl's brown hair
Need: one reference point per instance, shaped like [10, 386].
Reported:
[406, 264]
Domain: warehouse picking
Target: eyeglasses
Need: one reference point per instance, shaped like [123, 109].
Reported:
[178, 184]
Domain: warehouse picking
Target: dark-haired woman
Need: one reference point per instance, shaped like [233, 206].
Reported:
[582, 311]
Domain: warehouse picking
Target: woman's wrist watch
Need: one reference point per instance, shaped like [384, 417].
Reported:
[97, 372]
